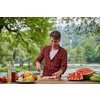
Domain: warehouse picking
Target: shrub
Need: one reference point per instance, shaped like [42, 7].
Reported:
[81, 65]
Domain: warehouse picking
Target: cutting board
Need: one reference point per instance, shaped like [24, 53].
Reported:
[43, 79]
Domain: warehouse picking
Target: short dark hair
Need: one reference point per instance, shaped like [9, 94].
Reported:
[55, 34]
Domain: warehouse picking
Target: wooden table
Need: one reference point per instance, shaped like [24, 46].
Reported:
[61, 81]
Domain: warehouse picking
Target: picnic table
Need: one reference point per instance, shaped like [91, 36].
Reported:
[61, 81]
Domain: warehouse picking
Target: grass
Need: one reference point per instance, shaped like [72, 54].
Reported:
[18, 68]
[81, 65]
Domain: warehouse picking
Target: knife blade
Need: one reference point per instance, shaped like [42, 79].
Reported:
[40, 72]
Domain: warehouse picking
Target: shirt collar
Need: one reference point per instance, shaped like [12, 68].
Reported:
[51, 47]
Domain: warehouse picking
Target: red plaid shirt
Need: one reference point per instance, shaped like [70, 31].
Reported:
[59, 62]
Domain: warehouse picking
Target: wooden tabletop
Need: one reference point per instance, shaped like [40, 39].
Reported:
[61, 81]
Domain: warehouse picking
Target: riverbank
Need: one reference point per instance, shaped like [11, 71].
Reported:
[71, 68]
[84, 64]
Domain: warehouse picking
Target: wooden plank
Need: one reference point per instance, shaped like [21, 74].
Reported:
[65, 81]
[61, 81]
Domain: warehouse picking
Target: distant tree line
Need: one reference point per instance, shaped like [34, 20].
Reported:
[84, 49]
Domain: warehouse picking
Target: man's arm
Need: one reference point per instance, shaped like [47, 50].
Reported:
[64, 62]
[40, 57]
[38, 66]
[39, 60]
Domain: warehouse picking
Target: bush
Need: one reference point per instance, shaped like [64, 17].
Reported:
[1, 70]
[81, 65]
[18, 68]
[4, 70]
[4, 63]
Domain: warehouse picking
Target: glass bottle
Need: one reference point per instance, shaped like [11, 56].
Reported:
[9, 73]
[13, 72]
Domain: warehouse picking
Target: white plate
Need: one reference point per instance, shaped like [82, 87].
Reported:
[25, 81]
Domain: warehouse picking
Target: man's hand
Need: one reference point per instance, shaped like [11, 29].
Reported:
[38, 66]
[57, 74]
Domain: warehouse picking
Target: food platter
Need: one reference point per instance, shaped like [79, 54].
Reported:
[25, 82]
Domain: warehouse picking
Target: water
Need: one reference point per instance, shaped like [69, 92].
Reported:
[16, 64]
[71, 68]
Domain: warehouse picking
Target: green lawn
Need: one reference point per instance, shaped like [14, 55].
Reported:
[18, 68]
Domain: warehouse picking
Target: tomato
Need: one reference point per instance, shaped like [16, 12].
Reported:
[4, 79]
[22, 75]
[35, 77]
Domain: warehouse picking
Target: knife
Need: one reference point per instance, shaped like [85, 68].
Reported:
[40, 73]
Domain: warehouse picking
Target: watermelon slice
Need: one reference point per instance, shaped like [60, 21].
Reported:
[87, 72]
[81, 74]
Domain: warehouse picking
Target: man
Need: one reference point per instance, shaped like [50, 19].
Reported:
[55, 57]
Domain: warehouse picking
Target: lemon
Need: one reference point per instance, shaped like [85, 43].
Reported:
[29, 78]
[27, 74]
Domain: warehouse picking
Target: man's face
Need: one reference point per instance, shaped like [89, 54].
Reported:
[54, 42]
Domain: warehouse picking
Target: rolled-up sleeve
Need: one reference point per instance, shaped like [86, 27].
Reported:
[64, 62]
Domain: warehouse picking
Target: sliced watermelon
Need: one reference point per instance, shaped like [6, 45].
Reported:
[81, 74]
[87, 72]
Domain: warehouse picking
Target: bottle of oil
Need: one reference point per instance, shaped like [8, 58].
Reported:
[9, 73]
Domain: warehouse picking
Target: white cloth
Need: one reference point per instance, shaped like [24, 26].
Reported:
[53, 53]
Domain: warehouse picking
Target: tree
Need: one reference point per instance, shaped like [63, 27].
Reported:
[71, 55]
[78, 53]
[89, 52]
[67, 48]
[97, 40]
[82, 25]
[98, 53]
[31, 33]
[21, 54]
[37, 28]
[5, 54]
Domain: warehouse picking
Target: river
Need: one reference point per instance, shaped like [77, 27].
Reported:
[71, 68]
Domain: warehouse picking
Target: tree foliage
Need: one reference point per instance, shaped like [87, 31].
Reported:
[98, 53]
[5, 54]
[25, 35]
[82, 25]
[88, 52]
[37, 28]
[76, 54]
[87, 49]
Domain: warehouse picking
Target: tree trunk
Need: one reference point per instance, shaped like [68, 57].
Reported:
[14, 55]
[21, 62]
